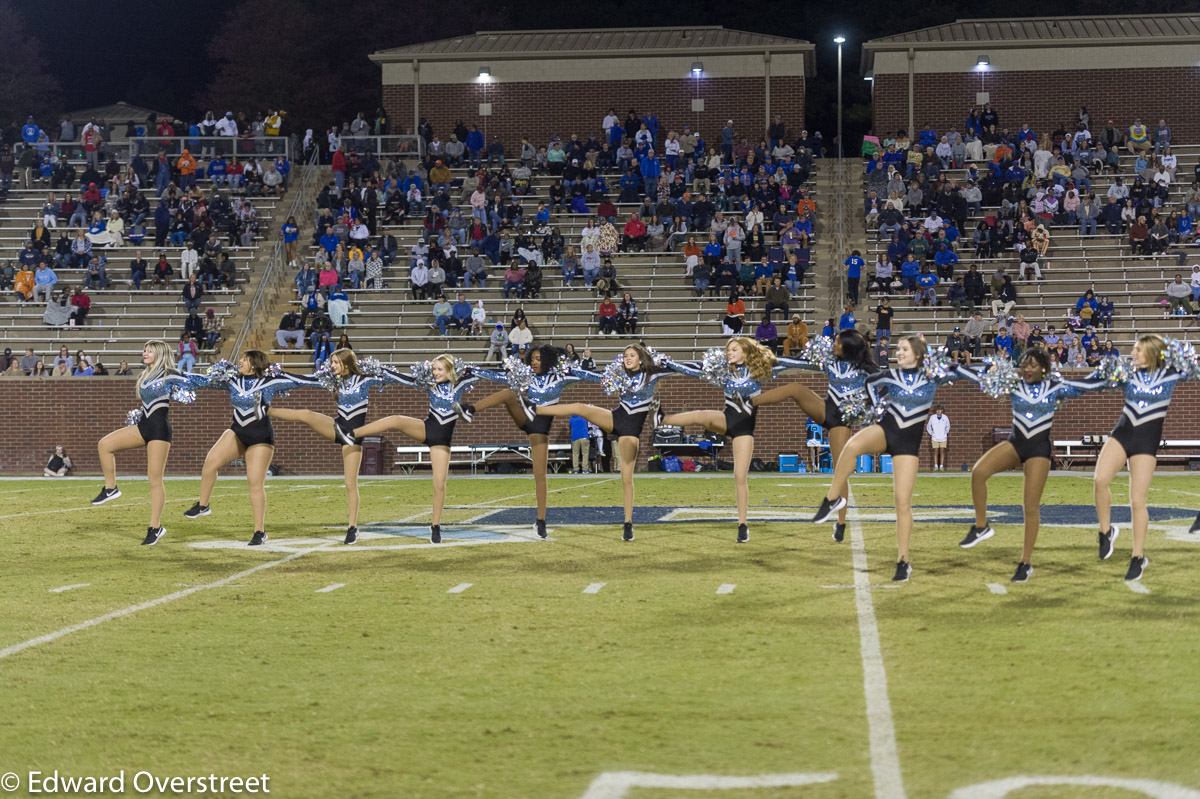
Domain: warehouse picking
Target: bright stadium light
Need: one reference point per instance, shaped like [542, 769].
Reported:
[839, 39]
[983, 61]
[485, 72]
[697, 67]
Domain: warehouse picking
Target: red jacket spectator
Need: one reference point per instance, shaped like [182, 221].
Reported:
[635, 228]
[608, 308]
[606, 209]
[339, 161]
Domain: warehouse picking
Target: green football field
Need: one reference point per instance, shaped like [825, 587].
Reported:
[677, 665]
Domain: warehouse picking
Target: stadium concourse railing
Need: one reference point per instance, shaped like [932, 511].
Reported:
[199, 146]
[275, 261]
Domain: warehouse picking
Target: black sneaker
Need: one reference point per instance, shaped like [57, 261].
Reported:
[351, 535]
[828, 508]
[540, 527]
[903, 572]
[743, 534]
[1195, 528]
[627, 532]
[344, 437]
[1023, 573]
[196, 511]
[1106, 542]
[1137, 567]
[258, 539]
[975, 535]
[106, 494]
[435, 534]
[152, 535]
[839, 532]
[467, 412]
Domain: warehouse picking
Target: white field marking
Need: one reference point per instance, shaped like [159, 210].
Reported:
[458, 589]
[281, 545]
[726, 588]
[1136, 587]
[885, 756]
[996, 588]
[330, 588]
[572, 487]
[153, 603]
[616, 784]
[63, 588]
[594, 588]
[1002, 788]
[1175, 491]
[873, 586]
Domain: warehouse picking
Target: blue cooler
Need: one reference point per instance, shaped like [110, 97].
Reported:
[885, 464]
[789, 462]
[865, 464]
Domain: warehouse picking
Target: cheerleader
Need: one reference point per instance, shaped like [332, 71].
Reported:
[156, 386]
[909, 391]
[849, 368]
[1036, 396]
[545, 386]
[750, 364]
[440, 379]
[250, 436]
[352, 385]
[1148, 388]
[633, 378]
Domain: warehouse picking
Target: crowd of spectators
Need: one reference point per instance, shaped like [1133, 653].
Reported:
[63, 364]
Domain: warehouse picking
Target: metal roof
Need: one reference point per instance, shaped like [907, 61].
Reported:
[120, 111]
[1067, 29]
[593, 41]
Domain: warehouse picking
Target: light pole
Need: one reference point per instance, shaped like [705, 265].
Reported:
[841, 193]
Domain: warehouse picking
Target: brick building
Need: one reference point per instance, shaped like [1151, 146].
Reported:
[78, 412]
[539, 83]
[1040, 71]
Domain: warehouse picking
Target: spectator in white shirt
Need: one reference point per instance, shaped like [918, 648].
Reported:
[938, 427]
[933, 222]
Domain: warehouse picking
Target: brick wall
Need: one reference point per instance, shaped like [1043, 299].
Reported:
[78, 412]
[1044, 99]
[539, 110]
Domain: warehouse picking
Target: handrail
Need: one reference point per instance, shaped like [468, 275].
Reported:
[273, 263]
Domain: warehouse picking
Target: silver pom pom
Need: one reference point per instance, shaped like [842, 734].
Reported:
[221, 372]
[715, 367]
[520, 374]
[617, 381]
[1000, 378]
[856, 408]
[133, 417]
[422, 374]
[1114, 370]
[182, 395]
[1181, 356]
[938, 365]
[819, 352]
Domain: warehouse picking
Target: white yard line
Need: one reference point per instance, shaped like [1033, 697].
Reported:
[1136, 587]
[881, 730]
[726, 588]
[329, 588]
[63, 588]
[617, 784]
[996, 588]
[153, 603]
[594, 588]
[458, 589]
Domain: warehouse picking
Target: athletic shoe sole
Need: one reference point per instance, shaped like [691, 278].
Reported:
[204, 512]
[1112, 542]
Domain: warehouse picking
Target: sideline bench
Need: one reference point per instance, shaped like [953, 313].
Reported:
[1087, 451]
[409, 458]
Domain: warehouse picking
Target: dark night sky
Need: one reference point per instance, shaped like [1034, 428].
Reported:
[167, 65]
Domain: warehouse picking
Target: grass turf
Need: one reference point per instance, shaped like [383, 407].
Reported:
[523, 686]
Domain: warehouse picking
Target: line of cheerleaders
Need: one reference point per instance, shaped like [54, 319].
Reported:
[890, 406]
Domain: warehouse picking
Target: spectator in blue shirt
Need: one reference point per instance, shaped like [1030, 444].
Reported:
[651, 170]
[910, 270]
[945, 259]
[580, 445]
[854, 266]
[474, 144]
[461, 313]
[927, 287]
[847, 320]
[330, 241]
[828, 330]
[1004, 343]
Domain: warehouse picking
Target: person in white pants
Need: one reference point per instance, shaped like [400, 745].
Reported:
[938, 428]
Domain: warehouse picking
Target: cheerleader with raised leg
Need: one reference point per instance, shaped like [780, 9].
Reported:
[252, 384]
[157, 385]
[1158, 366]
[540, 382]
[1036, 395]
[440, 378]
[347, 379]
[909, 392]
[846, 370]
[632, 379]
[748, 365]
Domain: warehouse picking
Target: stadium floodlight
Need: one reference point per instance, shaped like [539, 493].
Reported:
[839, 39]
[485, 72]
[982, 61]
[697, 67]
